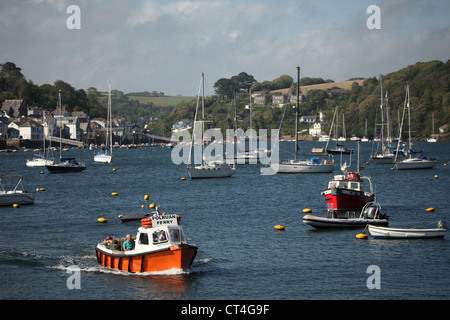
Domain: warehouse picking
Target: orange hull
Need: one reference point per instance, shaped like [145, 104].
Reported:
[173, 257]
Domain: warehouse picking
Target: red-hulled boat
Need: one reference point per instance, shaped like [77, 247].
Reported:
[348, 192]
[159, 245]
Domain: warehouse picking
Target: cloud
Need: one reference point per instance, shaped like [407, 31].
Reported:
[166, 45]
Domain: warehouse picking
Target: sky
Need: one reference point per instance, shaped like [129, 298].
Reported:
[165, 45]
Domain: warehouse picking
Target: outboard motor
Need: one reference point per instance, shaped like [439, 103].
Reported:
[441, 224]
[371, 212]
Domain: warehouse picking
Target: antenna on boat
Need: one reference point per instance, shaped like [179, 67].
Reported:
[357, 162]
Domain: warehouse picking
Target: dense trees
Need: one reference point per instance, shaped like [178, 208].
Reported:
[14, 86]
[227, 87]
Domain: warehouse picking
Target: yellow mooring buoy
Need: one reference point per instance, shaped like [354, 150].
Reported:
[307, 210]
[361, 236]
[102, 220]
[16, 205]
[429, 209]
[183, 178]
[152, 205]
[146, 197]
[114, 193]
[436, 176]
[279, 227]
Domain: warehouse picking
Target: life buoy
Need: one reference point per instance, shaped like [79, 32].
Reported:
[146, 222]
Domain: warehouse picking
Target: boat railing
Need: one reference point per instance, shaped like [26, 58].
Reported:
[371, 210]
[348, 214]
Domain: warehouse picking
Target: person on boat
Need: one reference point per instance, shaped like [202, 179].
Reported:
[115, 245]
[128, 244]
[108, 241]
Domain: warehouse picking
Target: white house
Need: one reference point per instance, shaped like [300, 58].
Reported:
[28, 130]
[316, 129]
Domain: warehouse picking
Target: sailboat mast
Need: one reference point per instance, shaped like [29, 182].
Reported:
[296, 113]
[110, 118]
[203, 116]
[60, 124]
[409, 118]
[382, 114]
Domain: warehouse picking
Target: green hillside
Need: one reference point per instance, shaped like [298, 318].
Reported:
[429, 93]
[165, 101]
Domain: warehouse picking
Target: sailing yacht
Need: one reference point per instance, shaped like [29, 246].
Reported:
[207, 169]
[40, 160]
[313, 165]
[106, 155]
[66, 164]
[245, 154]
[339, 149]
[365, 138]
[385, 155]
[433, 137]
[417, 162]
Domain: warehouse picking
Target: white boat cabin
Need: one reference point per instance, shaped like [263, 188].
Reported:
[161, 230]
[351, 181]
[157, 232]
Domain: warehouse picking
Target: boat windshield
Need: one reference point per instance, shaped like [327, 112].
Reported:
[176, 235]
[159, 236]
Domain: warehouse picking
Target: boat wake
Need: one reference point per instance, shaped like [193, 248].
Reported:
[88, 264]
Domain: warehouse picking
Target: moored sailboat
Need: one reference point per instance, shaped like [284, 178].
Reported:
[313, 165]
[420, 161]
[40, 160]
[339, 148]
[105, 156]
[65, 165]
[17, 195]
[206, 169]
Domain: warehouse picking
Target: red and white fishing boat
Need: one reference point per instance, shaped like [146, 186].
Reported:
[348, 191]
[160, 244]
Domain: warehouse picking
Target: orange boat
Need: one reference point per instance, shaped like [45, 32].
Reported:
[159, 245]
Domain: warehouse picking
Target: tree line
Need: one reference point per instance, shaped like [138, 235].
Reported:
[429, 93]
[13, 85]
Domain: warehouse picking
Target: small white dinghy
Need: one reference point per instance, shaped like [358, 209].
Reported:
[408, 233]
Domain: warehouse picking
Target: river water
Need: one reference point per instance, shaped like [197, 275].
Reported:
[241, 256]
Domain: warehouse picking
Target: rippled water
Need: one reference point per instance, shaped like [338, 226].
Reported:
[232, 222]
